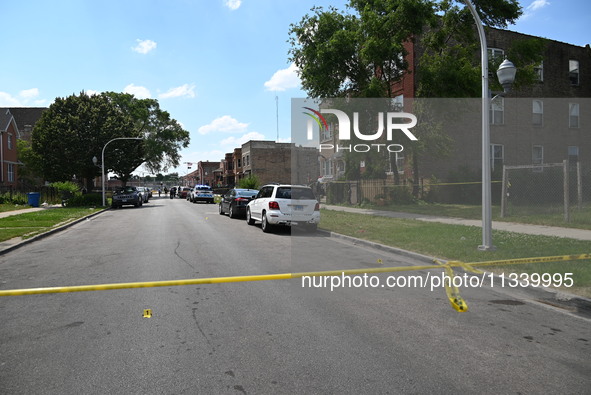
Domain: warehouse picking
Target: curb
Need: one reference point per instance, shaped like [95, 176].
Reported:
[382, 247]
[48, 233]
[575, 304]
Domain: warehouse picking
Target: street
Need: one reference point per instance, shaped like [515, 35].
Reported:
[265, 337]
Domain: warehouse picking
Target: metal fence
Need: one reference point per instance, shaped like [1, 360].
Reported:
[558, 192]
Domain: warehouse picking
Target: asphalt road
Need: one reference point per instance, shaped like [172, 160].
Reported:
[267, 337]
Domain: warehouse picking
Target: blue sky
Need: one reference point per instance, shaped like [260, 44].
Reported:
[216, 65]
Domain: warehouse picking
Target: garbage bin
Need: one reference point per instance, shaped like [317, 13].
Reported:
[33, 199]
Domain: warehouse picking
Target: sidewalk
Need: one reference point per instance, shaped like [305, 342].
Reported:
[23, 211]
[578, 234]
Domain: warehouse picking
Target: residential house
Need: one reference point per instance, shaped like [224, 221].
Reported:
[9, 133]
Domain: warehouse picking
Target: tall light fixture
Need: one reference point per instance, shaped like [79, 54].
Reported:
[103, 161]
[506, 75]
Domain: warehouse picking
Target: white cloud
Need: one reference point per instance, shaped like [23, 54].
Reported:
[7, 100]
[284, 140]
[138, 91]
[233, 4]
[537, 4]
[225, 124]
[533, 7]
[25, 98]
[284, 79]
[91, 92]
[29, 93]
[144, 46]
[238, 141]
[185, 90]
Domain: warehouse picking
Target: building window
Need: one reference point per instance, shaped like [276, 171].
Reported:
[537, 156]
[247, 160]
[573, 72]
[537, 112]
[400, 162]
[496, 55]
[497, 154]
[10, 172]
[497, 107]
[539, 70]
[573, 115]
[239, 162]
[9, 141]
[573, 154]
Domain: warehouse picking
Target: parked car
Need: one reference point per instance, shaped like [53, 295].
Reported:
[182, 192]
[235, 200]
[202, 193]
[288, 205]
[127, 196]
[145, 194]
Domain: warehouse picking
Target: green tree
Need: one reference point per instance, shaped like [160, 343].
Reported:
[71, 132]
[361, 53]
[75, 129]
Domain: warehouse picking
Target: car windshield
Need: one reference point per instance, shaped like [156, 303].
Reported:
[294, 193]
[249, 193]
[125, 190]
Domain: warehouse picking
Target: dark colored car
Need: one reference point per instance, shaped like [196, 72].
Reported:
[234, 202]
[127, 196]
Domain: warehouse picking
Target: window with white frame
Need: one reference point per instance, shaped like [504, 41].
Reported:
[9, 137]
[573, 71]
[400, 161]
[496, 55]
[539, 70]
[497, 155]
[537, 156]
[10, 172]
[497, 111]
[573, 115]
[537, 112]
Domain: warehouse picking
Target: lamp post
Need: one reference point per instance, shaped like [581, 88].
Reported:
[103, 161]
[506, 72]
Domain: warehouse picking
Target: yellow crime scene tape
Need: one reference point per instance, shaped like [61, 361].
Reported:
[452, 291]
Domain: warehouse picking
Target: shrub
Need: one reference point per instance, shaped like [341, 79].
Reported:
[87, 200]
[250, 182]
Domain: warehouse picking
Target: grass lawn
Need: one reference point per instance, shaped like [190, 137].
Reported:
[29, 224]
[457, 242]
[579, 218]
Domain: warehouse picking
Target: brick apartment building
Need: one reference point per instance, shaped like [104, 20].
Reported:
[208, 173]
[546, 122]
[279, 162]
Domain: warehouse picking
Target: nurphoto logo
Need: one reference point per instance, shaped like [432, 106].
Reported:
[390, 121]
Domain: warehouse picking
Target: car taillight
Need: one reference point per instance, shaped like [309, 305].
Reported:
[317, 207]
[240, 199]
[273, 206]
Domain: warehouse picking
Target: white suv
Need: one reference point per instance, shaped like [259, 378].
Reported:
[289, 205]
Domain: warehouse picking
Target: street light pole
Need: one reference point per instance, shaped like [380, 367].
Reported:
[506, 75]
[486, 178]
[103, 161]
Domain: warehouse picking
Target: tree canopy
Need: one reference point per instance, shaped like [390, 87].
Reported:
[361, 53]
[76, 128]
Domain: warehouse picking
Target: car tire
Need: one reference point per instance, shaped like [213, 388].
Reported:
[265, 225]
[231, 212]
[221, 210]
[249, 219]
